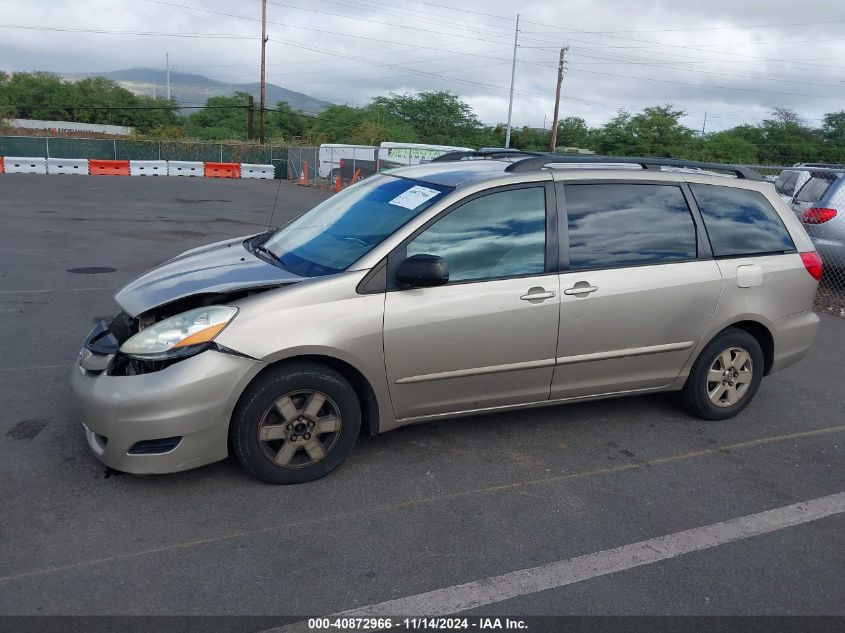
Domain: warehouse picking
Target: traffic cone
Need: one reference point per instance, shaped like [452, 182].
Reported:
[338, 185]
[303, 177]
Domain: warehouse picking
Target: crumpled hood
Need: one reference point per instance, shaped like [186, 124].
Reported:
[221, 267]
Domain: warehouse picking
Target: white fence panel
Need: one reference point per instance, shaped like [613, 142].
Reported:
[24, 165]
[147, 167]
[185, 168]
[67, 166]
[249, 170]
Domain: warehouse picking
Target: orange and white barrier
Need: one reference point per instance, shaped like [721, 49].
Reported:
[98, 167]
[108, 167]
[264, 172]
[67, 166]
[24, 165]
[222, 170]
[147, 167]
[185, 168]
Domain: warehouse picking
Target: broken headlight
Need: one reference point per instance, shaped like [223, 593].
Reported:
[179, 335]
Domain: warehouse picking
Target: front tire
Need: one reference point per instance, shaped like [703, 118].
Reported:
[725, 376]
[295, 423]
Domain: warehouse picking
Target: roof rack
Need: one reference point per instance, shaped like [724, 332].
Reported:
[484, 152]
[539, 161]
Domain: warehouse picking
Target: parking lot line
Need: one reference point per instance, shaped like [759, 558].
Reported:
[399, 505]
[471, 595]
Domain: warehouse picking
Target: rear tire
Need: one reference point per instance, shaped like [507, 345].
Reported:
[725, 376]
[295, 423]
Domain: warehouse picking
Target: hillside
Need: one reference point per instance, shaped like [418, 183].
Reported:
[190, 89]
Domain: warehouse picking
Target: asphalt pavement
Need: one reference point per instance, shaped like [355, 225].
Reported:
[424, 508]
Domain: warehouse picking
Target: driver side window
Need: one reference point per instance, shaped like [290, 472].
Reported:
[501, 234]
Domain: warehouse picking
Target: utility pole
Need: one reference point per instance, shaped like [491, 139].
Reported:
[250, 109]
[553, 142]
[263, 60]
[167, 65]
[513, 76]
[704, 125]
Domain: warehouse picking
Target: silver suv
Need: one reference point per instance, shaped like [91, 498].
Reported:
[486, 281]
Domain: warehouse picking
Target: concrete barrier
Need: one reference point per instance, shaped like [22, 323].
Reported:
[184, 168]
[67, 166]
[147, 167]
[24, 165]
[249, 170]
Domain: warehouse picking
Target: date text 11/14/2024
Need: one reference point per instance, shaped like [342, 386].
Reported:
[414, 624]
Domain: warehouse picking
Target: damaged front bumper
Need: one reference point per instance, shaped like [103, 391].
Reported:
[168, 420]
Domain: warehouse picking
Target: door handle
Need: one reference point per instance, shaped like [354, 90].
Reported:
[580, 290]
[538, 294]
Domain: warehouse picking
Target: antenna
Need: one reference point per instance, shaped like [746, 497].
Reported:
[275, 201]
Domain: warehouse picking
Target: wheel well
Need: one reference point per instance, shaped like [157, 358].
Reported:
[764, 338]
[363, 389]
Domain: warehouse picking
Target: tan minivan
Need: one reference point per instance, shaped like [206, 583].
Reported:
[483, 281]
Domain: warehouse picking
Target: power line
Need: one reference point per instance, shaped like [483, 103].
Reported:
[143, 33]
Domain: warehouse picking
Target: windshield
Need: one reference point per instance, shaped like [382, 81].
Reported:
[334, 234]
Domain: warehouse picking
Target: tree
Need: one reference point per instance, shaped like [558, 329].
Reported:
[436, 117]
[832, 134]
[786, 139]
[657, 131]
[223, 118]
[614, 137]
[572, 131]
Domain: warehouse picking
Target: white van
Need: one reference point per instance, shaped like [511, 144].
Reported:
[334, 156]
[392, 155]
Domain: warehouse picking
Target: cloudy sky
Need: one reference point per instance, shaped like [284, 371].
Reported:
[733, 59]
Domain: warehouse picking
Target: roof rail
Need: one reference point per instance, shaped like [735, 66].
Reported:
[538, 162]
[485, 152]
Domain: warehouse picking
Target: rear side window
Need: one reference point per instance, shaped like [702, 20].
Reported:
[815, 188]
[785, 183]
[614, 225]
[740, 221]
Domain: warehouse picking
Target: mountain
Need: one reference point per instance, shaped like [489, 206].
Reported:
[189, 89]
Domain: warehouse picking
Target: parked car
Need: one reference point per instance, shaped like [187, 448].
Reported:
[791, 180]
[448, 289]
[820, 205]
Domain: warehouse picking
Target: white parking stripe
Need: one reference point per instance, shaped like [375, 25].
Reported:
[566, 572]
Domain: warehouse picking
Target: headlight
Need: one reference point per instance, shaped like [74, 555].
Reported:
[179, 332]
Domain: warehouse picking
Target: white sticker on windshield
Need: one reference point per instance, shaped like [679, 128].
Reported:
[414, 197]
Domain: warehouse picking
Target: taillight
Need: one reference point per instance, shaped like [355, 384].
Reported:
[813, 264]
[818, 216]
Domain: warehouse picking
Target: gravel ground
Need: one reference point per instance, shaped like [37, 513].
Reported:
[831, 300]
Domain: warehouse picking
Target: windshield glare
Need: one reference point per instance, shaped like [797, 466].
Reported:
[334, 234]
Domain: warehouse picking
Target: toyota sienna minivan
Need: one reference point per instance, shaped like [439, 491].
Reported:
[481, 282]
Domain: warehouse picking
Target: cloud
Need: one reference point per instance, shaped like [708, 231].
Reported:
[718, 57]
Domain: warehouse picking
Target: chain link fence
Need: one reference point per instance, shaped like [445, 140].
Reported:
[119, 149]
[816, 194]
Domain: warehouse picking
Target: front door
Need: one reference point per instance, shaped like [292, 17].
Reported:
[636, 297]
[488, 337]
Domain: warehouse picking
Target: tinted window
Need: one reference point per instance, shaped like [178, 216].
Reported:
[740, 221]
[627, 225]
[501, 234]
[785, 183]
[814, 188]
[347, 226]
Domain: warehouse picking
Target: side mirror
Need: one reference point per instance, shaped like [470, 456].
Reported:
[423, 271]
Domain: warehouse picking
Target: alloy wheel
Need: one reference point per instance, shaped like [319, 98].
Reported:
[299, 429]
[729, 377]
